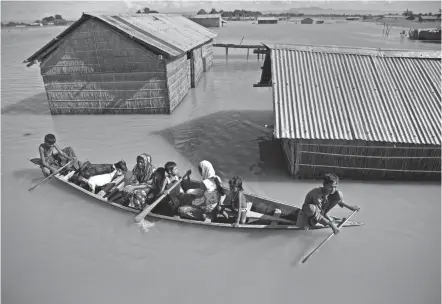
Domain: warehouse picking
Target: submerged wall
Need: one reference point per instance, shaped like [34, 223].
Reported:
[178, 80]
[362, 160]
[197, 66]
[96, 70]
[207, 22]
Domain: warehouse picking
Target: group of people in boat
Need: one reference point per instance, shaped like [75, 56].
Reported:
[147, 183]
[197, 202]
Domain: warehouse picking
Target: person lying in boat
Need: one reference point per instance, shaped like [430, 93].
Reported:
[138, 184]
[52, 157]
[318, 203]
[96, 174]
[201, 203]
[236, 208]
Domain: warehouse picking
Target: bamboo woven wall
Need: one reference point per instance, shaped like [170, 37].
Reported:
[197, 66]
[99, 71]
[178, 80]
[364, 160]
[289, 151]
[207, 54]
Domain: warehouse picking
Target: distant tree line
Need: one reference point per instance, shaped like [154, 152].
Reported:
[56, 20]
[146, 10]
[230, 14]
[245, 13]
[412, 16]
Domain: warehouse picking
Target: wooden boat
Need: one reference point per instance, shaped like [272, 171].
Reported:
[263, 213]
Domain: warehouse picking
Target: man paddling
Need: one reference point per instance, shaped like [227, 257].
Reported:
[319, 201]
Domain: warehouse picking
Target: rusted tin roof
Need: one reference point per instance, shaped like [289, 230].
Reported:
[167, 34]
[356, 94]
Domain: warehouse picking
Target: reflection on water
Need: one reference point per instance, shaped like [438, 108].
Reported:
[59, 246]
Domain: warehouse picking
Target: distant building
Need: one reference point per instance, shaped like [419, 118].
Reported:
[429, 19]
[36, 24]
[352, 18]
[208, 20]
[267, 20]
[307, 21]
[394, 17]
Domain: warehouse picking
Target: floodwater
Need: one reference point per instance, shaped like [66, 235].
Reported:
[59, 246]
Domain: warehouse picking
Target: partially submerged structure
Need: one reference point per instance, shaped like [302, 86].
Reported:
[307, 21]
[267, 20]
[361, 113]
[208, 20]
[124, 64]
[426, 35]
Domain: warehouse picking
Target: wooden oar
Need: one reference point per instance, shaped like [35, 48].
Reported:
[149, 208]
[329, 237]
[58, 171]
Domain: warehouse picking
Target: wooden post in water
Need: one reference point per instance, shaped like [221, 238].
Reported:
[248, 53]
[227, 51]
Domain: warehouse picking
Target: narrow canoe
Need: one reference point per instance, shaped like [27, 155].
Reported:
[261, 214]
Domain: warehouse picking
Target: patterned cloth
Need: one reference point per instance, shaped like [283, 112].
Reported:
[141, 175]
[204, 202]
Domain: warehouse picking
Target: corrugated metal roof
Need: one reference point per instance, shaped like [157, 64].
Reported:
[354, 94]
[170, 35]
[206, 16]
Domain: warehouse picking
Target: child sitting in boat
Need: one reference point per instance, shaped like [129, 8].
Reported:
[52, 158]
[172, 173]
[237, 206]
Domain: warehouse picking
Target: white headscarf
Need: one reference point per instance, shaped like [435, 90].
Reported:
[207, 172]
[207, 169]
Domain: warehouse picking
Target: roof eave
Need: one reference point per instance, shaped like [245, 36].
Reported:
[46, 49]
[37, 55]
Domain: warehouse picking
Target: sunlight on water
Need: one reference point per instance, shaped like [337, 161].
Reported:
[145, 225]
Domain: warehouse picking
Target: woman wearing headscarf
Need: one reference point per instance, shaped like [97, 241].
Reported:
[199, 204]
[136, 190]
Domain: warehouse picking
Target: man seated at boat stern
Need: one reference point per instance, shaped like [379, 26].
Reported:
[319, 201]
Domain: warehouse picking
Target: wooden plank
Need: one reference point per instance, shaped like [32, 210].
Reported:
[238, 46]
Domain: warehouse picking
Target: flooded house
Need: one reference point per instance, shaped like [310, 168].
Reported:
[208, 20]
[425, 34]
[267, 20]
[307, 21]
[124, 64]
[360, 113]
